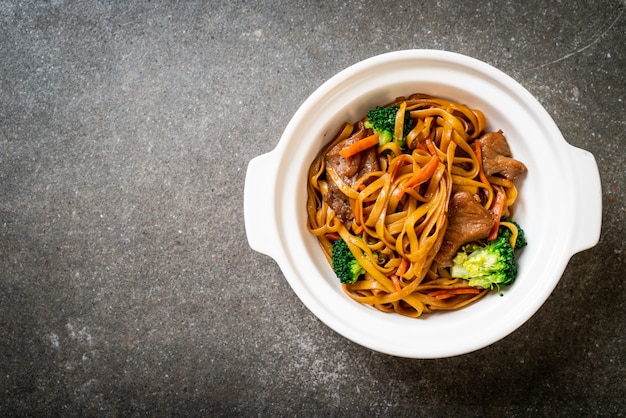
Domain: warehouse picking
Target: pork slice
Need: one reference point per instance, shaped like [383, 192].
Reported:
[349, 170]
[339, 202]
[468, 221]
[369, 162]
[497, 157]
[346, 168]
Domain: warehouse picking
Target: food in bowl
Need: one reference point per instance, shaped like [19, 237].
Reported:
[275, 197]
[412, 206]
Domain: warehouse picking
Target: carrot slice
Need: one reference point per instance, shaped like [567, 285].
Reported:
[402, 268]
[395, 169]
[396, 283]
[479, 153]
[359, 146]
[423, 174]
[333, 236]
[420, 146]
[431, 147]
[445, 293]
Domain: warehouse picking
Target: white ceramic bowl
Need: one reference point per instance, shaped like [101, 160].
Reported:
[559, 203]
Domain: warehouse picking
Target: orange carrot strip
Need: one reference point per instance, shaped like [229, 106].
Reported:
[396, 283]
[497, 208]
[453, 292]
[479, 153]
[395, 169]
[358, 209]
[359, 146]
[421, 147]
[423, 174]
[402, 268]
[333, 236]
[431, 147]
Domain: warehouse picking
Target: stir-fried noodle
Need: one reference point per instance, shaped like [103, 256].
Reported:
[396, 208]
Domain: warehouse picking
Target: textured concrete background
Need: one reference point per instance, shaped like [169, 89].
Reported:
[127, 287]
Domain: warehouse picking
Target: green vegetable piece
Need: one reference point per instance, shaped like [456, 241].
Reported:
[345, 266]
[382, 120]
[503, 231]
[488, 265]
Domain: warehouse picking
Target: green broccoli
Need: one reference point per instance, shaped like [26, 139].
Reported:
[382, 120]
[503, 231]
[486, 265]
[345, 266]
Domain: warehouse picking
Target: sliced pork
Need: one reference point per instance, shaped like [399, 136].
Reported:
[349, 170]
[496, 156]
[468, 221]
[339, 202]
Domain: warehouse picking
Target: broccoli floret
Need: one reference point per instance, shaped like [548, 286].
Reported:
[487, 265]
[345, 266]
[382, 120]
[503, 231]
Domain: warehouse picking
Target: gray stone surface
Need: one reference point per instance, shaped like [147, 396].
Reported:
[126, 283]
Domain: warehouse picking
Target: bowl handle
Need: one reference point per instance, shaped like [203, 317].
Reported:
[589, 201]
[259, 205]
